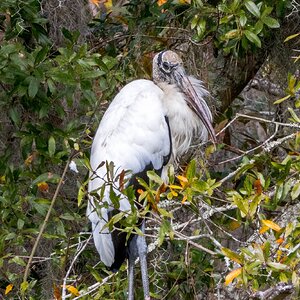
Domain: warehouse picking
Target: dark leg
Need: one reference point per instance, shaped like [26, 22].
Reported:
[142, 252]
[131, 262]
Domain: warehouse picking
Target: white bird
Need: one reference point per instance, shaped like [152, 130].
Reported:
[148, 125]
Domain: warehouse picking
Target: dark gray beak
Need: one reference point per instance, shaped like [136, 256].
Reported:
[194, 101]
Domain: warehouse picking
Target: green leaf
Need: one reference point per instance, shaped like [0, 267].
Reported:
[51, 86]
[295, 191]
[51, 146]
[243, 20]
[291, 37]
[117, 217]
[19, 261]
[254, 204]
[115, 199]
[24, 286]
[81, 194]
[20, 224]
[92, 74]
[277, 266]
[266, 11]
[291, 83]
[201, 28]
[154, 177]
[47, 177]
[96, 275]
[283, 278]
[232, 255]
[10, 236]
[258, 27]
[252, 7]
[191, 170]
[293, 115]
[252, 37]
[67, 216]
[238, 201]
[165, 213]
[194, 22]
[200, 186]
[231, 34]
[164, 229]
[271, 22]
[225, 19]
[33, 87]
[282, 99]
[15, 116]
[41, 55]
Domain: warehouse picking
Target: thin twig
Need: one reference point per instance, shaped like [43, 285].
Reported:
[186, 238]
[80, 248]
[93, 287]
[45, 223]
[253, 149]
[267, 147]
[292, 125]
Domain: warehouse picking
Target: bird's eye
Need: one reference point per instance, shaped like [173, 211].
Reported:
[166, 65]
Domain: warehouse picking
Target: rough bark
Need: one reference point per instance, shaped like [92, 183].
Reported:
[235, 74]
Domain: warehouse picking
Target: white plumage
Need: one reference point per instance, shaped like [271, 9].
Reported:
[124, 138]
[147, 126]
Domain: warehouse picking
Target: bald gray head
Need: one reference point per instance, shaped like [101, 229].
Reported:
[166, 65]
[168, 68]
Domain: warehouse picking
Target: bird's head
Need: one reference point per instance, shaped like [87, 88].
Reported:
[168, 68]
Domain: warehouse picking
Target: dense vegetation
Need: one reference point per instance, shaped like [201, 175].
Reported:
[227, 225]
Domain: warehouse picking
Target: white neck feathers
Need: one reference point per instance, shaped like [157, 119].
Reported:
[184, 123]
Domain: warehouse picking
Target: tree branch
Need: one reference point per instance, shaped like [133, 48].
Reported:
[280, 291]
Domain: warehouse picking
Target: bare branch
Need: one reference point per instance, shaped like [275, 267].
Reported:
[80, 248]
[280, 291]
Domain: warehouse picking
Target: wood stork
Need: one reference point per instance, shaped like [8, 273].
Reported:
[147, 126]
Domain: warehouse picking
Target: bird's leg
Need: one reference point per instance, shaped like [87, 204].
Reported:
[142, 252]
[131, 263]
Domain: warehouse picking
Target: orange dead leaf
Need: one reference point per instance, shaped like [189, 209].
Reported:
[95, 2]
[56, 292]
[160, 190]
[183, 180]
[263, 229]
[258, 186]
[175, 194]
[161, 2]
[140, 191]
[234, 225]
[280, 241]
[8, 288]
[121, 180]
[43, 186]
[279, 253]
[232, 275]
[108, 4]
[29, 160]
[184, 199]
[73, 290]
[271, 225]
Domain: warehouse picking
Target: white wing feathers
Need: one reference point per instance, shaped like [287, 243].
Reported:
[124, 138]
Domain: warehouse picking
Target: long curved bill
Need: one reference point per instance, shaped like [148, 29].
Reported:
[195, 102]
